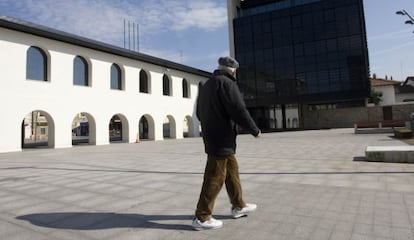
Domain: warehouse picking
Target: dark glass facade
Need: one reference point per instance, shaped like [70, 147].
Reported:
[301, 51]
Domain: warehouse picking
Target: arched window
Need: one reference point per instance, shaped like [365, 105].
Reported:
[185, 89]
[80, 71]
[143, 82]
[166, 85]
[116, 77]
[36, 64]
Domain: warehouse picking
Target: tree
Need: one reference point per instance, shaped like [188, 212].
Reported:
[376, 97]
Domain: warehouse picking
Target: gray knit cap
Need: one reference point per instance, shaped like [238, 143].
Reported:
[228, 62]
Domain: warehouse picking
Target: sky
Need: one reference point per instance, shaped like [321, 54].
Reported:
[195, 32]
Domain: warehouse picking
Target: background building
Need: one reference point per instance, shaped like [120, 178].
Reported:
[385, 90]
[405, 92]
[59, 89]
[296, 53]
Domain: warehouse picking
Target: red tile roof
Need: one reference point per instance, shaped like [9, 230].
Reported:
[382, 82]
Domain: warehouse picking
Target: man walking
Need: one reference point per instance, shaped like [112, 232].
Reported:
[220, 107]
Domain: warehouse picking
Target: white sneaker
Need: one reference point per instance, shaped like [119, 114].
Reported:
[238, 213]
[210, 224]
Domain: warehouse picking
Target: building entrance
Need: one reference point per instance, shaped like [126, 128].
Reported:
[277, 117]
[115, 129]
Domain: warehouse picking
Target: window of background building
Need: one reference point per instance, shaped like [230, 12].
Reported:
[80, 71]
[166, 89]
[36, 64]
[143, 82]
[116, 77]
[185, 89]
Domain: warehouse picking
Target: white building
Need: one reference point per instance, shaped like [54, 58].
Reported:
[405, 92]
[387, 88]
[393, 92]
[52, 82]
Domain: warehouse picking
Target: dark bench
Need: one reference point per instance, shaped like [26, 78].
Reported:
[388, 124]
[380, 124]
[394, 123]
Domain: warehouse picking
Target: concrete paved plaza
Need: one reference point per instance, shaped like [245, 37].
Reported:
[307, 184]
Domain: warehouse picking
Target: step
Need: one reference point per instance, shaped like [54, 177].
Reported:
[397, 154]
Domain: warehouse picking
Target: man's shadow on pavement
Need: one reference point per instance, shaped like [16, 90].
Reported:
[98, 221]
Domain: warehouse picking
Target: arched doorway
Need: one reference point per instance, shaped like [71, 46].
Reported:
[169, 127]
[83, 129]
[188, 127]
[143, 128]
[118, 129]
[38, 130]
[146, 128]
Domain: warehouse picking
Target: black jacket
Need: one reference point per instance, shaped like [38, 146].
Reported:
[220, 107]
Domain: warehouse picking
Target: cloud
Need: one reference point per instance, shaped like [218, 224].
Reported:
[179, 15]
[171, 55]
[92, 19]
[103, 20]
[203, 15]
[392, 49]
[167, 28]
[390, 35]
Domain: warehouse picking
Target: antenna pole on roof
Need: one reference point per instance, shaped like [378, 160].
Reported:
[137, 37]
[124, 33]
[133, 36]
[129, 35]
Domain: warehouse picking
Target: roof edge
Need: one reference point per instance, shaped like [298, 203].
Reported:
[50, 33]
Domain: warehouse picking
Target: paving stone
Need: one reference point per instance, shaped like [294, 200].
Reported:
[307, 184]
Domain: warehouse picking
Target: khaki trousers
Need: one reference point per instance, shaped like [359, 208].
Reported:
[219, 170]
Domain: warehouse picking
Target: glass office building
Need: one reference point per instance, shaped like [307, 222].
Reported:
[296, 53]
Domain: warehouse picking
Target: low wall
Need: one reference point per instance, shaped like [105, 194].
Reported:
[346, 117]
